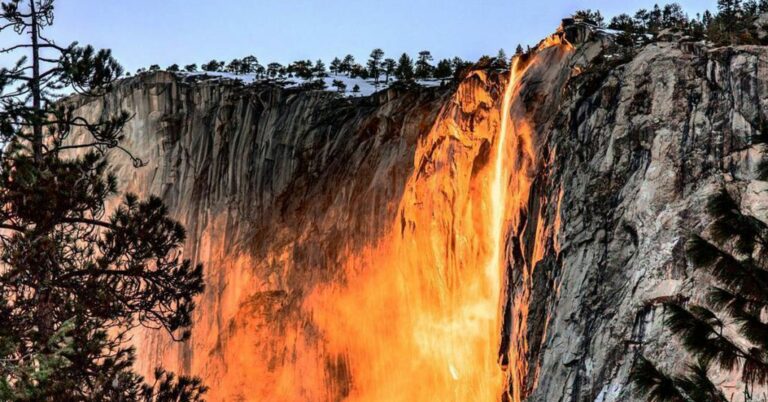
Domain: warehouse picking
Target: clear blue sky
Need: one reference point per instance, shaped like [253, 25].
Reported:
[143, 32]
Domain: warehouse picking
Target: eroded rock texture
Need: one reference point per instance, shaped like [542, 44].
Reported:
[641, 144]
[345, 241]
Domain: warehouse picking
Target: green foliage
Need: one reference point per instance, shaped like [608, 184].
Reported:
[213, 66]
[275, 69]
[335, 66]
[697, 385]
[655, 385]
[319, 69]
[375, 64]
[302, 69]
[733, 24]
[76, 278]
[359, 71]
[735, 257]
[501, 59]
[423, 68]
[346, 64]
[404, 71]
[443, 69]
[460, 68]
[390, 66]
[168, 388]
[589, 16]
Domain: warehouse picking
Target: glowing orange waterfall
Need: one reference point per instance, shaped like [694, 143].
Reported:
[511, 190]
[499, 189]
[498, 193]
[418, 318]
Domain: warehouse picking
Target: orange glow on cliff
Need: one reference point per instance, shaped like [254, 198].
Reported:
[418, 318]
[414, 316]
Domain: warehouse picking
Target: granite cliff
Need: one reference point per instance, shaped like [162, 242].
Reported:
[398, 247]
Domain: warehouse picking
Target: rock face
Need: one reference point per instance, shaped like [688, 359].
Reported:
[275, 188]
[348, 245]
[641, 146]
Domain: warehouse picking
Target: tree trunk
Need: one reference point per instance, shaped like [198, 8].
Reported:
[34, 85]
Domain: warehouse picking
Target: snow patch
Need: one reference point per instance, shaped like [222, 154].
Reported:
[367, 86]
[613, 32]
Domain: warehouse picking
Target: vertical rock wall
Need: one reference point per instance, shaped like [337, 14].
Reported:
[303, 208]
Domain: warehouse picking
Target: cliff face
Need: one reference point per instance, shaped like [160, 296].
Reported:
[399, 247]
[276, 190]
[642, 145]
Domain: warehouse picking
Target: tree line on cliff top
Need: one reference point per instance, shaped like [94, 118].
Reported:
[733, 23]
[376, 68]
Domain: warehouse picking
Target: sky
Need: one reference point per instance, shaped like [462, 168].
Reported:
[145, 32]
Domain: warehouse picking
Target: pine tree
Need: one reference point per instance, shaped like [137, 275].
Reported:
[346, 64]
[190, 68]
[75, 278]
[460, 68]
[443, 69]
[374, 64]
[173, 68]
[358, 71]
[737, 258]
[501, 60]
[519, 50]
[212, 66]
[319, 69]
[248, 64]
[340, 86]
[335, 65]
[728, 19]
[390, 65]
[273, 69]
[673, 16]
[642, 19]
[423, 68]
[623, 22]
[356, 88]
[728, 10]
[589, 16]
[301, 69]
[235, 66]
[404, 71]
[259, 71]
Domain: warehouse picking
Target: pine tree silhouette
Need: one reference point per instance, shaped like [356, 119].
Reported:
[75, 279]
[737, 258]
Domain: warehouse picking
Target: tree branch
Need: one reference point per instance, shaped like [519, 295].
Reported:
[87, 221]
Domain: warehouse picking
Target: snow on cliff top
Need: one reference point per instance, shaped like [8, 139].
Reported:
[367, 86]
